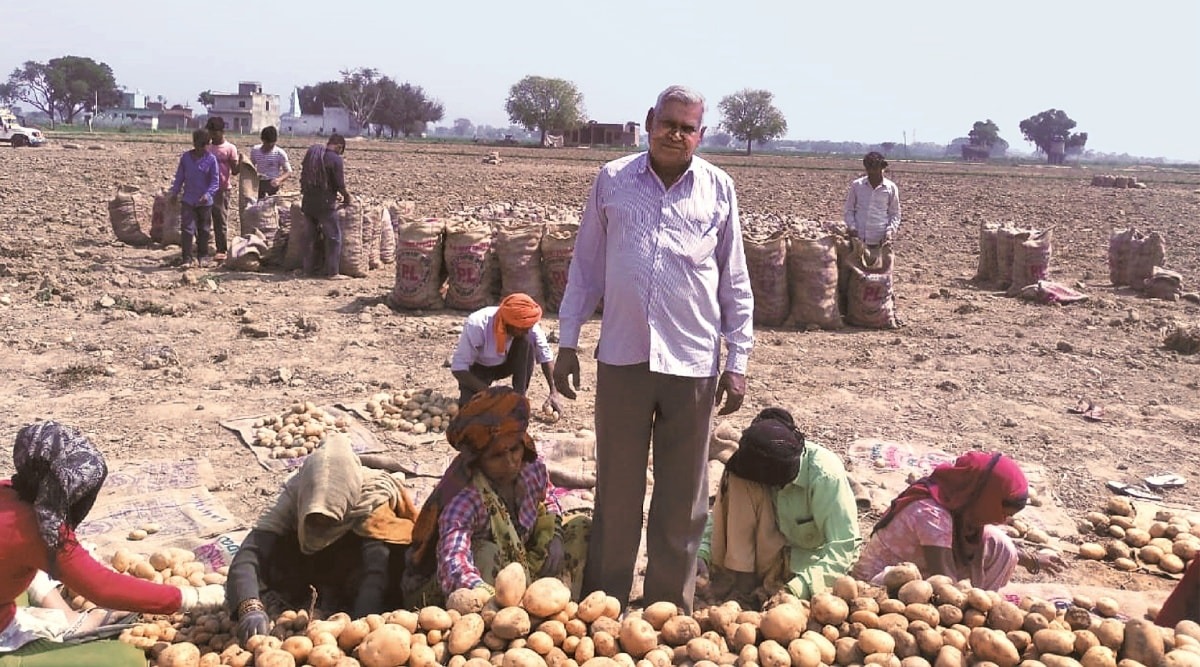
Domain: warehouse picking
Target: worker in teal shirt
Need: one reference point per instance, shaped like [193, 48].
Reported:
[784, 518]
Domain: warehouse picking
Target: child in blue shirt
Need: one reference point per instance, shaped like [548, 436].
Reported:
[198, 177]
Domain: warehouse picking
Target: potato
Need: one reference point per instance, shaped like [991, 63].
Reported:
[545, 597]
[1078, 618]
[1143, 642]
[948, 593]
[324, 656]
[142, 570]
[1181, 658]
[845, 587]
[521, 657]
[1116, 531]
[1125, 522]
[1107, 607]
[1189, 628]
[917, 591]
[1150, 553]
[825, 647]
[897, 575]
[703, 649]
[993, 646]
[274, 657]
[772, 654]
[1127, 564]
[605, 624]
[1020, 639]
[829, 609]
[299, 646]
[1084, 640]
[465, 634]
[1136, 537]
[388, 646]
[1005, 617]
[433, 618]
[890, 622]
[592, 607]
[978, 598]
[1118, 506]
[637, 637]
[915, 661]
[1050, 640]
[848, 652]
[804, 653]
[510, 585]
[948, 656]
[1034, 622]
[1052, 660]
[784, 623]
[1171, 563]
[210, 660]
[354, 634]
[679, 630]
[1099, 656]
[949, 614]
[1092, 551]
[511, 623]
[890, 606]
[875, 641]
[184, 654]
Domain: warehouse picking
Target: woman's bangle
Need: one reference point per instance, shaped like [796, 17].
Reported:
[249, 605]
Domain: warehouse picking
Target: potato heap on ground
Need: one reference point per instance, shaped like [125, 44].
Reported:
[414, 411]
[1169, 543]
[172, 565]
[911, 622]
[765, 225]
[520, 210]
[296, 432]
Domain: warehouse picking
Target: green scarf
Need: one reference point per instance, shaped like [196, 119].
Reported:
[504, 530]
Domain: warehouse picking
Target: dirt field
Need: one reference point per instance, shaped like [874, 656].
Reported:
[151, 375]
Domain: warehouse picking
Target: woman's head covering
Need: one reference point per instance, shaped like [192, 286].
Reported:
[516, 310]
[769, 450]
[332, 494]
[494, 417]
[60, 472]
[978, 489]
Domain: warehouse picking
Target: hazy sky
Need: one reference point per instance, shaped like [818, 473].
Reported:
[1127, 72]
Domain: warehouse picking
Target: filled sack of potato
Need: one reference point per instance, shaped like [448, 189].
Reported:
[129, 212]
[558, 244]
[869, 299]
[470, 256]
[812, 276]
[766, 262]
[518, 252]
[1031, 260]
[419, 272]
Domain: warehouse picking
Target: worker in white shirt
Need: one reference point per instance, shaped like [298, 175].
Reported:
[872, 210]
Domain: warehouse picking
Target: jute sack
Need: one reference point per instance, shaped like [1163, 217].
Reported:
[419, 273]
[1120, 246]
[247, 184]
[1145, 253]
[404, 209]
[171, 211]
[766, 261]
[1164, 284]
[1031, 260]
[870, 301]
[471, 265]
[371, 222]
[387, 237]
[518, 250]
[1007, 239]
[261, 217]
[812, 276]
[246, 252]
[298, 241]
[988, 261]
[558, 244]
[355, 247]
[129, 212]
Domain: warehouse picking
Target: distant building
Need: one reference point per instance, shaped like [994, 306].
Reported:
[248, 110]
[602, 134]
[331, 119]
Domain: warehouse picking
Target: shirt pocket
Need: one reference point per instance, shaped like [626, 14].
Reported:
[805, 533]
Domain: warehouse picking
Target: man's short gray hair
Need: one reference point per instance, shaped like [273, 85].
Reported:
[681, 94]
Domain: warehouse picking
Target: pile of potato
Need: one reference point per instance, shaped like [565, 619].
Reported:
[296, 432]
[1169, 543]
[174, 566]
[416, 411]
[911, 622]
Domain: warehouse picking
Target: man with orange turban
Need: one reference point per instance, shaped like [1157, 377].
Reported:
[503, 341]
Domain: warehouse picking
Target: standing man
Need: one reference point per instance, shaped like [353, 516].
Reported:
[322, 179]
[227, 163]
[503, 341]
[872, 210]
[660, 241]
[271, 162]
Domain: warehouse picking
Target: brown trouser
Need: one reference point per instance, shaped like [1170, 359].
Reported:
[633, 407]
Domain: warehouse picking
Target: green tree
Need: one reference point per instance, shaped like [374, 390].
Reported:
[544, 104]
[314, 98]
[405, 108]
[206, 98]
[63, 87]
[751, 116]
[984, 133]
[463, 127]
[1043, 128]
[361, 93]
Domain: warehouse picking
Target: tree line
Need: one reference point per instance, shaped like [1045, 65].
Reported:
[64, 87]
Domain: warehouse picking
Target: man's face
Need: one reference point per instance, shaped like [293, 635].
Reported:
[218, 137]
[267, 146]
[675, 132]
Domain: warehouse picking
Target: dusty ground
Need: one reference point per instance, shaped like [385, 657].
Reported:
[971, 369]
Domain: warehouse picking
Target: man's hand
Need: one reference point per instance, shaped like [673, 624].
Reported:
[888, 236]
[733, 387]
[566, 366]
[251, 624]
[554, 558]
[552, 404]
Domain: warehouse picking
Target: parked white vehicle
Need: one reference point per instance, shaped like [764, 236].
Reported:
[12, 132]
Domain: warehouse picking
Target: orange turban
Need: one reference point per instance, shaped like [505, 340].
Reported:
[517, 310]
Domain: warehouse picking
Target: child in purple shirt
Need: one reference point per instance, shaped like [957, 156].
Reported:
[199, 179]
